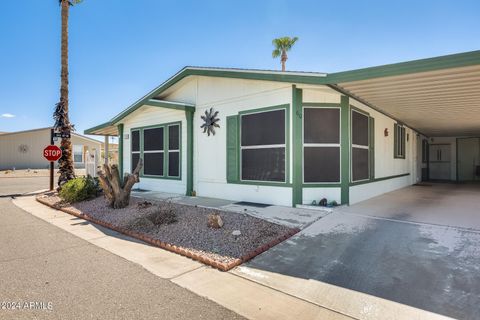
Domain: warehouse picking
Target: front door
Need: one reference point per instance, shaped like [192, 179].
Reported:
[439, 164]
[468, 158]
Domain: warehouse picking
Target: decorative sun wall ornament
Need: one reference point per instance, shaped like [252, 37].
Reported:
[210, 121]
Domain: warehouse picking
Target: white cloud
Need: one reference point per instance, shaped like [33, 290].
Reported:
[7, 115]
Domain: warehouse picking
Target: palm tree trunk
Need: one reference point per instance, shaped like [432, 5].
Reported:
[66, 161]
[284, 59]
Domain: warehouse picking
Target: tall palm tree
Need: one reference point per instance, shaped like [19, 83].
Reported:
[282, 45]
[62, 122]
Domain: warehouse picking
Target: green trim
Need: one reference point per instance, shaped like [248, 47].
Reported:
[287, 144]
[415, 66]
[170, 105]
[322, 185]
[263, 183]
[100, 126]
[232, 149]
[372, 147]
[379, 179]
[189, 116]
[345, 149]
[297, 134]
[120, 149]
[165, 126]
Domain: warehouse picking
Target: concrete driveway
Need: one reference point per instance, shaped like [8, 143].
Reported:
[418, 246]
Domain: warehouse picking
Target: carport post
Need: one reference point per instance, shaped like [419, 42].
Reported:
[51, 162]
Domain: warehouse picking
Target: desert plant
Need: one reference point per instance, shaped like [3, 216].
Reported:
[163, 214]
[79, 189]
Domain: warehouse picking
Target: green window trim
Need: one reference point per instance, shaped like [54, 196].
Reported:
[233, 146]
[399, 141]
[166, 151]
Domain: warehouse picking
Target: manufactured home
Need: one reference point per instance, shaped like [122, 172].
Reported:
[24, 149]
[290, 138]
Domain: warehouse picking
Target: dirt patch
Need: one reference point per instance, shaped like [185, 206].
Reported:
[187, 226]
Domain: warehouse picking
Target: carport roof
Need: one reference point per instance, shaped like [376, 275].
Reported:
[437, 96]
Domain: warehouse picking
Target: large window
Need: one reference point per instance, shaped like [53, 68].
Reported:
[321, 145]
[399, 137]
[262, 146]
[360, 146]
[160, 149]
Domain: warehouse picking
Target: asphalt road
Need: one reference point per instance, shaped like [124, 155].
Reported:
[68, 278]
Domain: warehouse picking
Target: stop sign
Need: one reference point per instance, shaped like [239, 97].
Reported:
[52, 153]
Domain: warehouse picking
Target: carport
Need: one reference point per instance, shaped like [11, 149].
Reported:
[437, 97]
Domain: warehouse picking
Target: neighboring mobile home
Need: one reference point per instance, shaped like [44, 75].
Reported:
[24, 149]
[290, 138]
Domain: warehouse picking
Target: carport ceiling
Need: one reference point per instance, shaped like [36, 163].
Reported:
[442, 102]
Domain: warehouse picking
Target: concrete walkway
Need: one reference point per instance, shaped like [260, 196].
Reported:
[244, 297]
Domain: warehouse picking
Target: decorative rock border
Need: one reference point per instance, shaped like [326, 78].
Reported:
[173, 248]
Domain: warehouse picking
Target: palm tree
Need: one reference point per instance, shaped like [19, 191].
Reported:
[282, 45]
[62, 122]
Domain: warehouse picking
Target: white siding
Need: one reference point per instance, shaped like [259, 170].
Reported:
[148, 116]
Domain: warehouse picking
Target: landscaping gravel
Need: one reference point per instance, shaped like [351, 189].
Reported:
[190, 230]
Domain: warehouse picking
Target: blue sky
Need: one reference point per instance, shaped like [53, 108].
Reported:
[120, 50]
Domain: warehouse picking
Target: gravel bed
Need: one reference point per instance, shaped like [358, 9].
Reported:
[190, 230]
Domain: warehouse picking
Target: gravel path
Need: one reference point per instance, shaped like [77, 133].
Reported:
[190, 231]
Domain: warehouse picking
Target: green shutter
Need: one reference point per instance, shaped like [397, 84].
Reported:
[232, 149]
[372, 148]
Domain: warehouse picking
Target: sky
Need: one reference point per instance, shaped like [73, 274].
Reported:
[120, 50]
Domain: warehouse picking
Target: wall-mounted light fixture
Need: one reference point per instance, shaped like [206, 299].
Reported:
[385, 132]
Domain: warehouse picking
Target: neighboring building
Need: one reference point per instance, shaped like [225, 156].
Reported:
[24, 149]
[291, 138]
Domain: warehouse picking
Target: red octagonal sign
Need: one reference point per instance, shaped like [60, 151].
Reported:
[52, 153]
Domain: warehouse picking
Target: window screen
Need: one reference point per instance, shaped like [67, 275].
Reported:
[360, 146]
[136, 140]
[424, 151]
[153, 164]
[263, 128]
[135, 158]
[322, 125]
[360, 164]
[267, 164]
[174, 151]
[321, 145]
[263, 146]
[135, 152]
[321, 164]
[153, 139]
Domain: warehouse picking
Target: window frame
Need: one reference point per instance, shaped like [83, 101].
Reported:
[81, 153]
[400, 141]
[425, 151]
[352, 146]
[321, 145]
[285, 145]
[139, 152]
[165, 150]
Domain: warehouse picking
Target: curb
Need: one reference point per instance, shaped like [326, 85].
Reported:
[173, 248]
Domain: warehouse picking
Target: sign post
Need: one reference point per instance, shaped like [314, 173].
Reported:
[52, 153]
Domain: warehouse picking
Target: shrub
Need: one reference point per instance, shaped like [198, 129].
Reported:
[163, 214]
[79, 189]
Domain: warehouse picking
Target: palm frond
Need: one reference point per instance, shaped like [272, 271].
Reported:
[276, 53]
